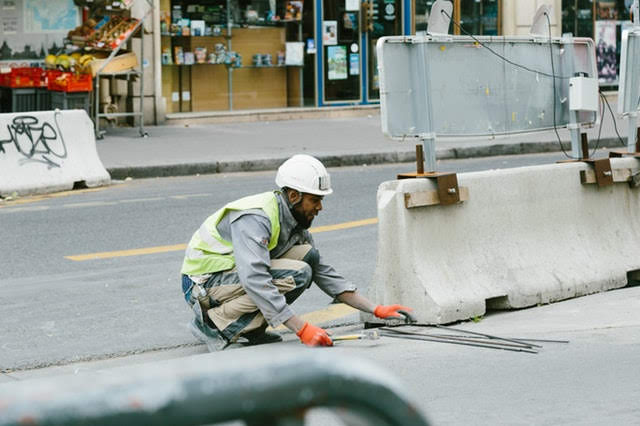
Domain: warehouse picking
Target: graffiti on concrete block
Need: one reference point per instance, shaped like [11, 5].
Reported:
[35, 141]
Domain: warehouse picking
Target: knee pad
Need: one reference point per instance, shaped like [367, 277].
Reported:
[305, 275]
[312, 258]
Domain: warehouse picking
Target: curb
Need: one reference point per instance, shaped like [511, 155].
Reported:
[190, 169]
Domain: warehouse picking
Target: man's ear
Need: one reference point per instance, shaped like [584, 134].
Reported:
[294, 196]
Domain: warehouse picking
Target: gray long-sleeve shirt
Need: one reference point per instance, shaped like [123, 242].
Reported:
[250, 232]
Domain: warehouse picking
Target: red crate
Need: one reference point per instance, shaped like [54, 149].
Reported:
[20, 78]
[50, 76]
[69, 82]
[40, 77]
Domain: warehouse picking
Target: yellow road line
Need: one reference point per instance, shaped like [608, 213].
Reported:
[40, 197]
[124, 253]
[331, 313]
[180, 247]
[345, 225]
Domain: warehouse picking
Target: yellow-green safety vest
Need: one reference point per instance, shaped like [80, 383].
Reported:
[208, 252]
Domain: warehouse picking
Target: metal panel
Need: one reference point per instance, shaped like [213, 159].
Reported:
[454, 86]
[629, 89]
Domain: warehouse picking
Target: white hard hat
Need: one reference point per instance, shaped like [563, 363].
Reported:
[304, 173]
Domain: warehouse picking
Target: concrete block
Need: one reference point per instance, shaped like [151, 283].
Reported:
[526, 236]
[48, 151]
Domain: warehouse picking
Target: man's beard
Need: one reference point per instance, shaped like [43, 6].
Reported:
[301, 218]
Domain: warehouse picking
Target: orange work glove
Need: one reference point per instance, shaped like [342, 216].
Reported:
[311, 335]
[390, 311]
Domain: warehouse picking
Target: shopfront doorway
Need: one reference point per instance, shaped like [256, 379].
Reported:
[385, 20]
[342, 53]
[348, 33]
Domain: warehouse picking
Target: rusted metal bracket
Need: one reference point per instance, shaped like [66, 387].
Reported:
[619, 154]
[622, 153]
[618, 175]
[448, 192]
[601, 173]
[431, 198]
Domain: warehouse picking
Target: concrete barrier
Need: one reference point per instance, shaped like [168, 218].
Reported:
[275, 387]
[48, 151]
[525, 236]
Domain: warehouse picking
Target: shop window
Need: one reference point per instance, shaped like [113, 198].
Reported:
[422, 8]
[604, 21]
[478, 17]
[239, 54]
[577, 17]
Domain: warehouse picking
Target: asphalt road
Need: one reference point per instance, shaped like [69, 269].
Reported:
[55, 310]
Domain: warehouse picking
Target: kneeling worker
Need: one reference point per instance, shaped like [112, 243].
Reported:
[253, 257]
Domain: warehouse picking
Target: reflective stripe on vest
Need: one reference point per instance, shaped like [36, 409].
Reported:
[208, 252]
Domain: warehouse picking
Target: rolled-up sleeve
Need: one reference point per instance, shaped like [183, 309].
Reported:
[325, 276]
[250, 234]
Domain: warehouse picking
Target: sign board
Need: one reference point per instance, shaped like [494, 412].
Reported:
[455, 86]
[30, 29]
[629, 88]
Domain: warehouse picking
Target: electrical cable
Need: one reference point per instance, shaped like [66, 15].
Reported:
[555, 94]
[613, 118]
[595, 148]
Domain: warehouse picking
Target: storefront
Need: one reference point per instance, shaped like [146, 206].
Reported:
[604, 21]
[220, 55]
[238, 55]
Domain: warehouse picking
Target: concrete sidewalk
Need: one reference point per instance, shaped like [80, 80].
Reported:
[231, 147]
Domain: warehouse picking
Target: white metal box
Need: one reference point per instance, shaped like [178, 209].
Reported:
[583, 94]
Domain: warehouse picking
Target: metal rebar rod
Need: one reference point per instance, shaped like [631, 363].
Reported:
[479, 345]
[462, 331]
[477, 339]
[540, 340]
[519, 339]
[482, 334]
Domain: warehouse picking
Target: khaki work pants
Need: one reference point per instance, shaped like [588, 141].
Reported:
[231, 309]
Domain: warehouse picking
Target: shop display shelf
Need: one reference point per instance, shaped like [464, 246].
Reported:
[128, 74]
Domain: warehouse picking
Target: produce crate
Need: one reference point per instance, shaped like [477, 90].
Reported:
[22, 78]
[17, 100]
[66, 100]
[70, 82]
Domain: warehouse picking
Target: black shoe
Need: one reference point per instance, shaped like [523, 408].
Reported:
[261, 337]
